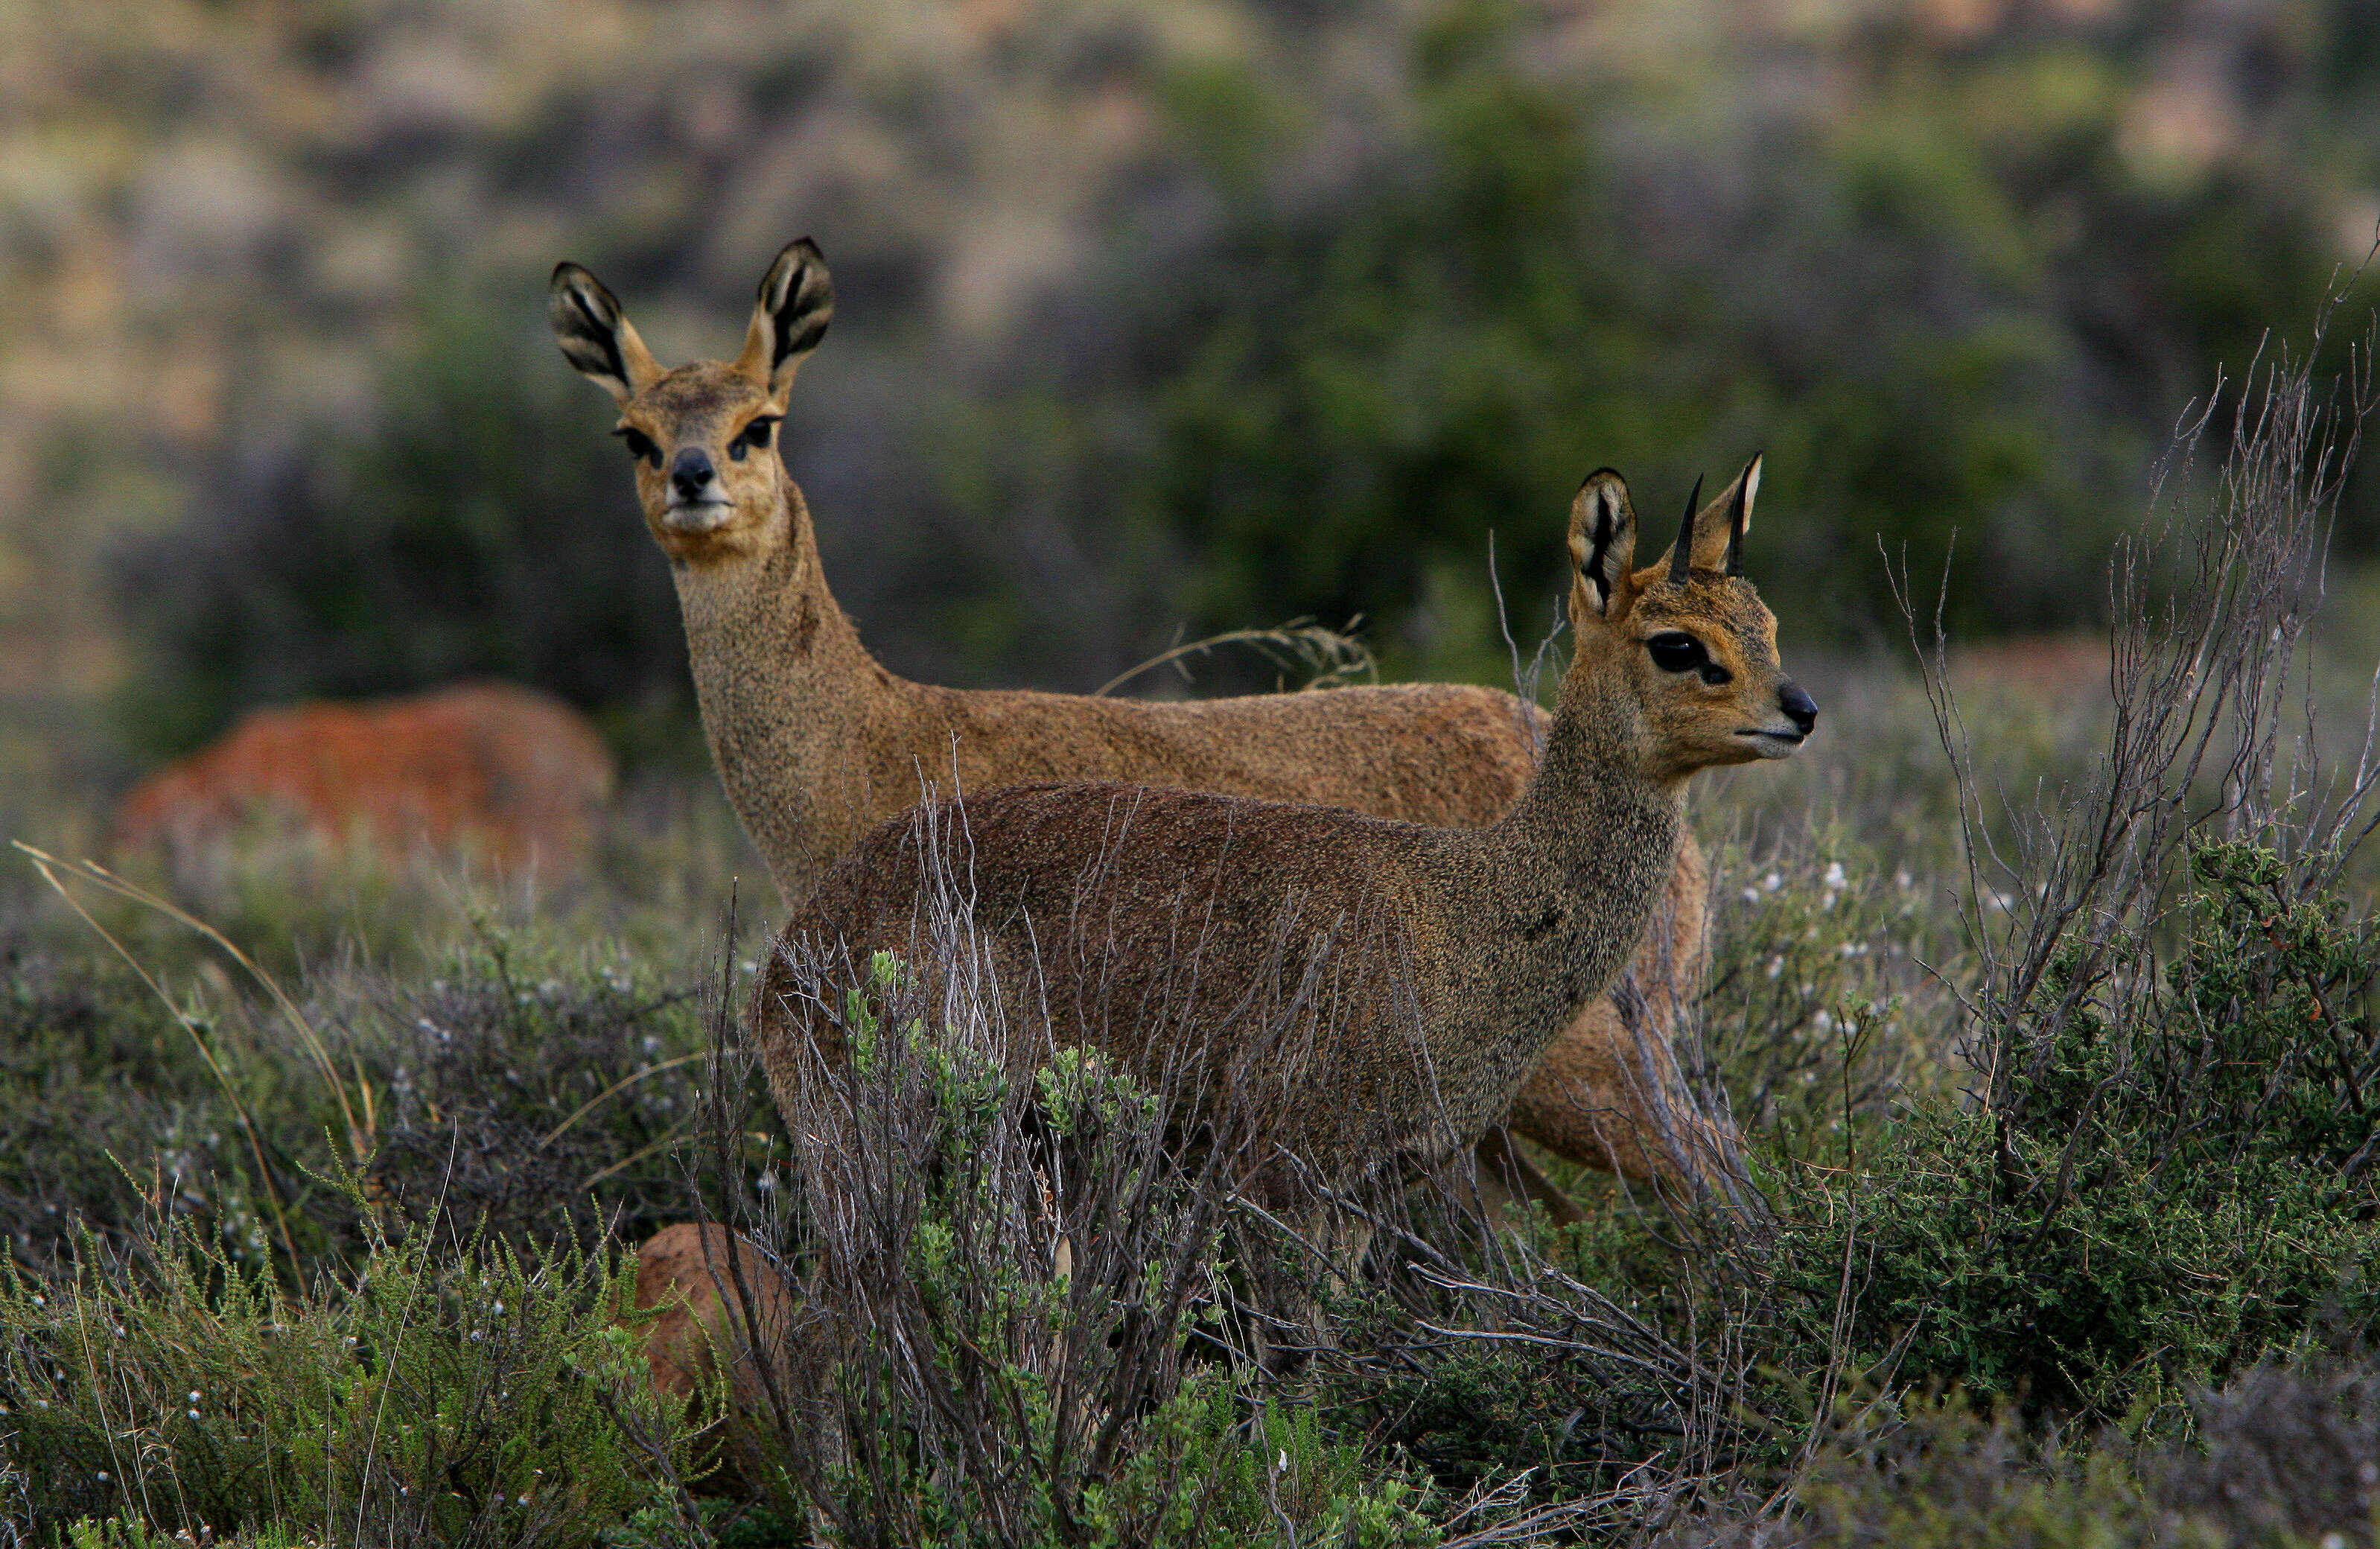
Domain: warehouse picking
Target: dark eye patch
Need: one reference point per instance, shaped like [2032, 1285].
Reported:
[755, 434]
[640, 444]
[1675, 651]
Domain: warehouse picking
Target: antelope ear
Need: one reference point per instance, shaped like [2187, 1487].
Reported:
[795, 303]
[1602, 546]
[1720, 530]
[596, 335]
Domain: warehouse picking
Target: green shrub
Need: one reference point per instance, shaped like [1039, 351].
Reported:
[1483, 1415]
[1017, 1294]
[528, 1096]
[1804, 942]
[2282, 1460]
[1219, 1465]
[1500, 1375]
[95, 1078]
[522, 1093]
[466, 1398]
[133, 1532]
[2176, 1188]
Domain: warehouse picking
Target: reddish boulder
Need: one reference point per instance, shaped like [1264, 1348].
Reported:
[510, 775]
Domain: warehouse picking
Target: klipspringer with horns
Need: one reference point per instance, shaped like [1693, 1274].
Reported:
[1357, 997]
[816, 742]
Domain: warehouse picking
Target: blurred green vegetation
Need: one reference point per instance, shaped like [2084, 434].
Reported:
[482, 525]
[1312, 344]
[1375, 386]
[1955, 310]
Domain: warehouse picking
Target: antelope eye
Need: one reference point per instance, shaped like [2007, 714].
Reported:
[1677, 651]
[640, 444]
[755, 434]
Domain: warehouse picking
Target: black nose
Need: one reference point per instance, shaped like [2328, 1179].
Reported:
[1798, 707]
[691, 471]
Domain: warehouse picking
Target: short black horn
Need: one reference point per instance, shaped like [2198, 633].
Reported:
[1735, 511]
[1682, 552]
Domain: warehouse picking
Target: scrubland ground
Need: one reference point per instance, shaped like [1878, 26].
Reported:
[2059, 1083]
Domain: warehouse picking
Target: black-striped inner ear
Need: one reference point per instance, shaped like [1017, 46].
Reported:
[801, 322]
[1735, 514]
[800, 316]
[1682, 552]
[1598, 549]
[599, 332]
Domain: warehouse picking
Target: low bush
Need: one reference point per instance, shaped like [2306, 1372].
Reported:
[527, 1095]
[1816, 1012]
[2284, 1460]
[1503, 1375]
[2167, 1200]
[527, 1099]
[1030, 1304]
[470, 1398]
[100, 1092]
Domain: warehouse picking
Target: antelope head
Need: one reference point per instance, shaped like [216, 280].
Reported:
[1696, 645]
[703, 435]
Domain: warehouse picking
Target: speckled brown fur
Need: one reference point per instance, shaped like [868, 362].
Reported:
[1617, 1097]
[817, 743]
[1365, 994]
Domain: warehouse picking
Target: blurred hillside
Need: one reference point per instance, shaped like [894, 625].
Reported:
[1154, 314]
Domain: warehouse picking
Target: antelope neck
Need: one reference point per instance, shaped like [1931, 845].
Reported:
[788, 692]
[1591, 785]
[1577, 866]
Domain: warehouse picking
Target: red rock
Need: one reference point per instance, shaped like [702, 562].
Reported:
[508, 774]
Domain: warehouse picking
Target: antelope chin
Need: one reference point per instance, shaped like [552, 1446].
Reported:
[695, 517]
[1773, 744]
